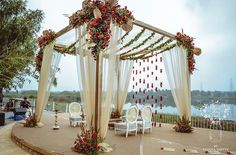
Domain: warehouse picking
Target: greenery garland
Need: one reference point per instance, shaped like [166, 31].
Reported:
[148, 48]
[124, 36]
[166, 49]
[143, 53]
[154, 43]
[144, 41]
[137, 36]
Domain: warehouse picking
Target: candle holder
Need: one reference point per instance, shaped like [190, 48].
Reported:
[56, 126]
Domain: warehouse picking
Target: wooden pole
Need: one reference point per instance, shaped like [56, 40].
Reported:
[96, 93]
[154, 29]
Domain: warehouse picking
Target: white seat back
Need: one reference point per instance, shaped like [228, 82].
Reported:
[75, 109]
[147, 113]
[132, 114]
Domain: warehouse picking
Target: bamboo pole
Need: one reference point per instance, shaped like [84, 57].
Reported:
[96, 93]
[135, 22]
[154, 29]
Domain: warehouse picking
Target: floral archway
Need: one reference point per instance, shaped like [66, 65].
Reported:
[108, 40]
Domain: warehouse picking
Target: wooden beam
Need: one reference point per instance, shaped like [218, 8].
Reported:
[154, 29]
[135, 22]
[63, 31]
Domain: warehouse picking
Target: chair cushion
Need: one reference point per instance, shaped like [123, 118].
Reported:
[132, 115]
[75, 119]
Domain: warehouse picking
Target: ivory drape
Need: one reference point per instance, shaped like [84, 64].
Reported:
[108, 80]
[86, 69]
[176, 67]
[124, 75]
[47, 75]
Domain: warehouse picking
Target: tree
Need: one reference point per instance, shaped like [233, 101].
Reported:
[18, 38]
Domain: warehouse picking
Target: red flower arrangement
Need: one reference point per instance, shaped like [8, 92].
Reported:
[47, 37]
[38, 60]
[187, 42]
[87, 142]
[98, 16]
[30, 121]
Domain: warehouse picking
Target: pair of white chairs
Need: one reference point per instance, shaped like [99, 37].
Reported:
[131, 120]
[75, 111]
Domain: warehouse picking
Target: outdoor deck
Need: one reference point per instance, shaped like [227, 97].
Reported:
[60, 142]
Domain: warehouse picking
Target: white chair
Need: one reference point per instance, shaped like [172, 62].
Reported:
[75, 111]
[146, 122]
[130, 123]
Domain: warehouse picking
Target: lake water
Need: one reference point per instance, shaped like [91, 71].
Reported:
[222, 111]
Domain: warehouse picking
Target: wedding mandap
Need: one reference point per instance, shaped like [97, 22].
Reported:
[107, 43]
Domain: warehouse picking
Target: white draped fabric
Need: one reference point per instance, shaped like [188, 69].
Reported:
[47, 75]
[176, 67]
[108, 80]
[124, 75]
[86, 70]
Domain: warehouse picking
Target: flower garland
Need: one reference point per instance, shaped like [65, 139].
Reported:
[144, 41]
[147, 50]
[137, 36]
[187, 42]
[98, 16]
[45, 39]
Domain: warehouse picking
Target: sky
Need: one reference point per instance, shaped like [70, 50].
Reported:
[211, 22]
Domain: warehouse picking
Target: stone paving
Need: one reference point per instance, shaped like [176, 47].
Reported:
[7, 147]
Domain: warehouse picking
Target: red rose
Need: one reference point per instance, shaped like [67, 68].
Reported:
[100, 36]
[95, 23]
[107, 37]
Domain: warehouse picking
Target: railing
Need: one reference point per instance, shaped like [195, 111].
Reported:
[198, 122]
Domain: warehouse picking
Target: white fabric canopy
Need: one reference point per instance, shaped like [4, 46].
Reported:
[177, 71]
[47, 75]
[124, 74]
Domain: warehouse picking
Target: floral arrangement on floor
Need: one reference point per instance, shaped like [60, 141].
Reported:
[98, 16]
[183, 125]
[187, 42]
[87, 142]
[30, 121]
[45, 39]
[115, 114]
